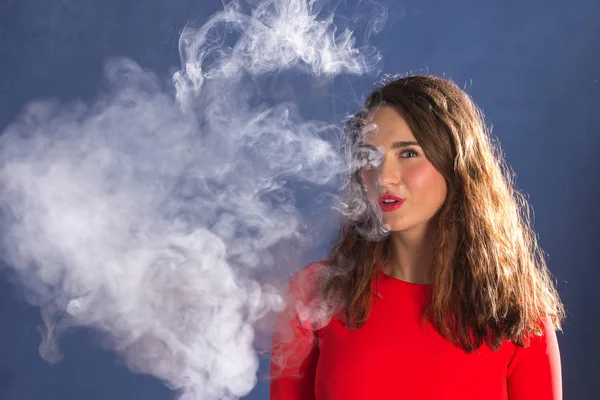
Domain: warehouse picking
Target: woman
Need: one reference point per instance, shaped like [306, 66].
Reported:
[435, 287]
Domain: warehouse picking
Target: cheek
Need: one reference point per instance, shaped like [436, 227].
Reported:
[369, 177]
[426, 183]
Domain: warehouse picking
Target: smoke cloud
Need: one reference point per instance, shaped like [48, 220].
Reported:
[145, 214]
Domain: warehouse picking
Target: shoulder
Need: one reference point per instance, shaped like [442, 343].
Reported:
[547, 333]
[303, 295]
[542, 346]
[535, 370]
[303, 284]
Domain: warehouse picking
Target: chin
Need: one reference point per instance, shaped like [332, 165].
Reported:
[395, 227]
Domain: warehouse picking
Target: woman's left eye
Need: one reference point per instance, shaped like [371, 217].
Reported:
[409, 152]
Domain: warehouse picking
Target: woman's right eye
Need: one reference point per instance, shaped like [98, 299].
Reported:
[368, 158]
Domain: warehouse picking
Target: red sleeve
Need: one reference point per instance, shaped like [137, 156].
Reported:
[534, 372]
[294, 351]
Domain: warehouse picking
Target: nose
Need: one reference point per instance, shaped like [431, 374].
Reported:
[389, 174]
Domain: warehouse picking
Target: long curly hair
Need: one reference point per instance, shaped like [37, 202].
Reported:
[490, 279]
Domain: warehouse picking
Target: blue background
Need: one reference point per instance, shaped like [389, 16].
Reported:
[533, 66]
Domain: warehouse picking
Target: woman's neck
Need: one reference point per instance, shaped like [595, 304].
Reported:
[411, 256]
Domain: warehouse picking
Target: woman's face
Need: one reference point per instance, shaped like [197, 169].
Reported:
[404, 172]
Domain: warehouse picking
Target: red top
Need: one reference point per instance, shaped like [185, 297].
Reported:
[395, 356]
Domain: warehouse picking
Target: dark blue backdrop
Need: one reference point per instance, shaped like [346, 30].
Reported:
[533, 66]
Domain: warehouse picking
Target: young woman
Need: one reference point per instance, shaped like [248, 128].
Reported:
[435, 287]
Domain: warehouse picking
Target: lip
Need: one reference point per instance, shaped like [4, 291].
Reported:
[390, 207]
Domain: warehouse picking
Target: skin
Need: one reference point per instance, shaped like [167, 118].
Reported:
[405, 172]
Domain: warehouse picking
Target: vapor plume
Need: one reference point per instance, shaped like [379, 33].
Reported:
[143, 214]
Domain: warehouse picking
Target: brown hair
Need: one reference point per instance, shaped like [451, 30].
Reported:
[490, 278]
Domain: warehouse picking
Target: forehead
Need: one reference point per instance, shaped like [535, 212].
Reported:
[390, 126]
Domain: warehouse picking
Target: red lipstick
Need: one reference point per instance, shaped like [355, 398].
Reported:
[387, 205]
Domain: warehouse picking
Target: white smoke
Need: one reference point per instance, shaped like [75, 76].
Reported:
[141, 214]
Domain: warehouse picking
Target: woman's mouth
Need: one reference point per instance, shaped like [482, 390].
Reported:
[389, 203]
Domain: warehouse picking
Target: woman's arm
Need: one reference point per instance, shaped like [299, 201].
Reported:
[534, 373]
[294, 351]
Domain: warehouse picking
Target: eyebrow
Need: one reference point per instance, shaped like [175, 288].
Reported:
[398, 145]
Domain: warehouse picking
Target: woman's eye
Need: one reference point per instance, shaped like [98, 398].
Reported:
[368, 158]
[409, 152]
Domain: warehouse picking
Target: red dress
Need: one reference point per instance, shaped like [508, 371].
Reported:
[395, 356]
